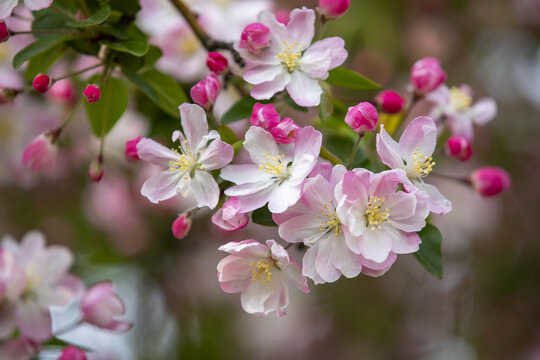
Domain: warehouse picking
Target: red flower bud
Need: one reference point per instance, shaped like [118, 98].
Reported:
[130, 151]
[334, 8]
[181, 226]
[390, 102]
[72, 353]
[459, 148]
[95, 170]
[217, 62]
[92, 93]
[362, 118]
[427, 75]
[490, 180]
[255, 37]
[42, 83]
[4, 32]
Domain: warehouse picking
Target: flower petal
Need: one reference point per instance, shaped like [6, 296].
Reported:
[205, 189]
[267, 89]
[259, 143]
[388, 150]
[194, 124]
[483, 111]
[283, 197]
[376, 244]
[438, 204]
[6, 7]
[304, 90]
[216, 155]
[244, 174]
[420, 134]
[301, 27]
[263, 73]
[154, 152]
[161, 186]
[37, 4]
[323, 56]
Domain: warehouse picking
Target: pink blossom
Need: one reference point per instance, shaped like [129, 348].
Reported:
[255, 37]
[229, 218]
[19, 348]
[100, 307]
[291, 62]
[264, 116]
[414, 154]
[187, 169]
[4, 32]
[72, 353]
[427, 75]
[285, 132]
[181, 226]
[92, 93]
[261, 274]
[217, 62]
[42, 83]
[63, 91]
[490, 180]
[283, 16]
[96, 170]
[12, 278]
[390, 102]
[362, 118]
[459, 148]
[334, 8]
[7, 6]
[206, 91]
[41, 153]
[382, 213]
[130, 152]
[276, 172]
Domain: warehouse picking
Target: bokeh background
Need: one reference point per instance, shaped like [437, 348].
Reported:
[487, 306]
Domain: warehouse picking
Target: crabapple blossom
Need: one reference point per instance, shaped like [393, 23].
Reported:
[283, 16]
[206, 91]
[381, 212]
[427, 75]
[92, 93]
[255, 37]
[4, 32]
[490, 180]
[334, 8]
[261, 274]
[362, 118]
[266, 117]
[63, 91]
[188, 167]
[41, 153]
[390, 102]
[217, 62]
[414, 154]
[459, 148]
[100, 306]
[7, 6]
[286, 131]
[72, 353]
[276, 172]
[181, 226]
[12, 278]
[228, 218]
[130, 152]
[291, 62]
[42, 83]
[96, 170]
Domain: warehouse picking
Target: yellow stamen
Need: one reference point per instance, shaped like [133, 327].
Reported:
[459, 100]
[290, 56]
[186, 161]
[259, 268]
[422, 164]
[329, 220]
[374, 213]
[273, 165]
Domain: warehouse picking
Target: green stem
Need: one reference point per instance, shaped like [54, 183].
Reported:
[212, 120]
[70, 116]
[354, 150]
[78, 72]
[32, 32]
[327, 155]
[453, 178]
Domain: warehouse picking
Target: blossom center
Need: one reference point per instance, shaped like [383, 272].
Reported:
[186, 162]
[274, 165]
[188, 44]
[329, 220]
[459, 100]
[422, 164]
[290, 55]
[375, 215]
[261, 269]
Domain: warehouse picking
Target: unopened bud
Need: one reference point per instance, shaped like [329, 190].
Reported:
[96, 170]
[459, 148]
[41, 153]
[390, 102]
[206, 91]
[427, 75]
[255, 37]
[42, 83]
[362, 118]
[130, 151]
[72, 353]
[181, 226]
[334, 8]
[490, 180]
[285, 132]
[92, 93]
[228, 218]
[217, 62]
[4, 32]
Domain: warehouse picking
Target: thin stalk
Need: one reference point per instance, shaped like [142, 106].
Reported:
[84, 7]
[78, 72]
[354, 150]
[63, 12]
[212, 120]
[462, 180]
[416, 97]
[68, 119]
[327, 155]
[33, 32]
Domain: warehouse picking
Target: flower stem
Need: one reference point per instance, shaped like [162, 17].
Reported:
[415, 99]
[212, 120]
[327, 155]
[462, 180]
[31, 32]
[63, 12]
[70, 116]
[78, 72]
[354, 150]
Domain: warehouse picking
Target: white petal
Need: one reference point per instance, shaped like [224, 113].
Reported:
[305, 91]
[149, 150]
[37, 4]
[6, 7]
[161, 186]
[194, 124]
[205, 189]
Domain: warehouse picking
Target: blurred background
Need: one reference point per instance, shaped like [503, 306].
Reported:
[487, 306]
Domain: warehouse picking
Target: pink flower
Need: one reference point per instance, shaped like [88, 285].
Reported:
[490, 180]
[283, 16]
[217, 62]
[264, 116]
[100, 307]
[181, 226]
[455, 105]
[362, 118]
[41, 153]
[414, 154]
[390, 102]
[42, 83]
[92, 93]
[4, 32]
[228, 218]
[187, 169]
[130, 152]
[382, 213]
[334, 8]
[427, 75]
[96, 170]
[255, 37]
[63, 91]
[276, 173]
[7, 6]
[291, 61]
[459, 148]
[19, 348]
[206, 91]
[261, 274]
[12, 278]
[285, 132]
[72, 353]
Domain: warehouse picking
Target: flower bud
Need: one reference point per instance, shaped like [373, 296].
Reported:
[92, 93]
[334, 8]
[100, 306]
[264, 116]
[41, 153]
[285, 132]
[181, 226]
[459, 148]
[95, 170]
[72, 353]
[362, 118]
[427, 75]
[130, 151]
[490, 180]
[63, 91]
[42, 83]
[255, 37]
[228, 218]
[390, 102]
[217, 62]
[206, 91]
[4, 32]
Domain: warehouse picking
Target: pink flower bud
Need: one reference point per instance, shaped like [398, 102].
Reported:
[283, 16]
[362, 118]
[92, 93]
[4, 32]
[334, 8]
[42, 83]
[390, 102]
[72, 353]
[41, 153]
[181, 226]
[206, 91]
[265, 116]
[228, 218]
[459, 148]
[490, 180]
[63, 91]
[217, 62]
[95, 170]
[130, 152]
[285, 132]
[255, 37]
[100, 306]
[427, 75]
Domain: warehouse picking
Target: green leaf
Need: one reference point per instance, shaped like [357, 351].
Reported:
[341, 76]
[429, 254]
[127, 7]
[152, 56]
[227, 135]
[95, 19]
[136, 46]
[142, 84]
[42, 62]
[326, 107]
[169, 93]
[263, 216]
[37, 47]
[106, 112]
[289, 101]
[242, 109]
[48, 19]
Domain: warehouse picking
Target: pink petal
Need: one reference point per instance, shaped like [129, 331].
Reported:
[33, 321]
[283, 197]
[259, 142]
[388, 150]
[323, 56]
[302, 228]
[194, 124]
[406, 243]
[149, 150]
[483, 111]
[161, 186]
[420, 134]
[263, 73]
[376, 244]
[304, 90]
[37, 4]
[244, 174]
[267, 89]
[6, 7]
[301, 27]
[438, 204]
[205, 189]
[216, 155]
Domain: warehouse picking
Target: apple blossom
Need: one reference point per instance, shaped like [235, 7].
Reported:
[334, 8]
[92, 93]
[206, 91]
[7, 6]
[42, 83]
[130, 151]
[255, 37]
[217, 62]
[390, 102]
[228, 218]
[40, 154]
[459, 148]
[286, 131]
[490, 180]
[100, 306]
[72, 353]
[362, 118]
[266, 117]
[181, 226]
[427, 75]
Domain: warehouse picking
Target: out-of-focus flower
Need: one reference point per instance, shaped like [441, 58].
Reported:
[7, 6]
[4, 32]
[100, 306]
[188, 167]
[181, 226]
[63, 91]
[427, 75]
[206, 91]
[72, 353]
[390, 102]
[20, 348]
[12, 278]
[130, 151]
[362, 118]
[41, 153]
[255, 37]
[42, 83]
[414, 155]
[276, 173]
[261, 274]
[229, 218]
[334, 8]
[490, 180]
[217, 62]
[459, 148]
[291, 61]
[96, 170]
[92, 93]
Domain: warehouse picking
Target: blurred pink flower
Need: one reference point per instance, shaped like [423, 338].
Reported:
[41, 153]
[100, 306]
[7, 6]
[72, 353]
[181, 226]
[334, 8]
[490, 180]
[229, 218]
[427, 75]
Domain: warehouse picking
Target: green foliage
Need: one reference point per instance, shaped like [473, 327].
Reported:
[346, 78]
[263, 216]
[240, 110]
[429, 254]
[95, 19]
[41, 63]
[326, 107]
[38, 47]
[136, 43]
[227, 135]
[106, 112]
[170, 95]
